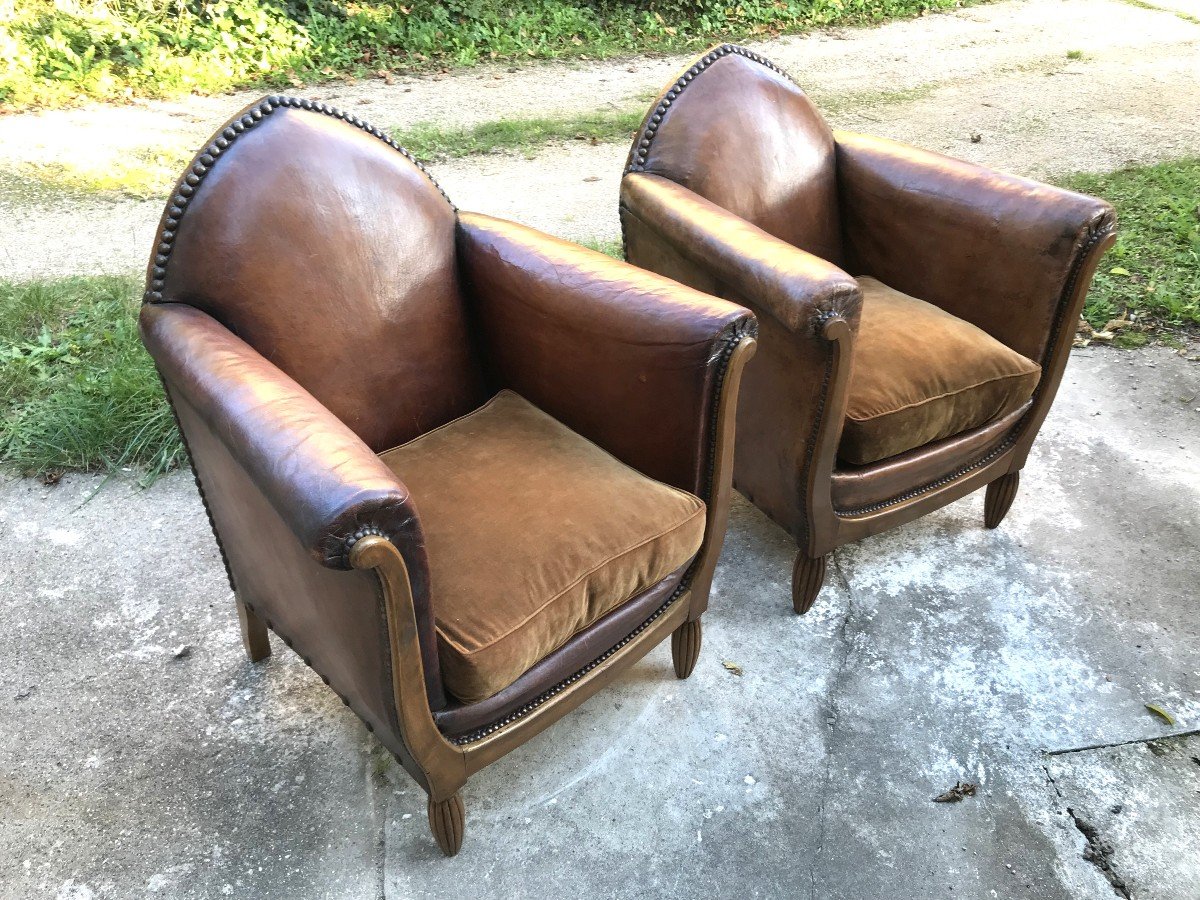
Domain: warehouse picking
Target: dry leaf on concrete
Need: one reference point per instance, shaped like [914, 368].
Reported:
[1161, 713]
[732, 667]
[955, 794]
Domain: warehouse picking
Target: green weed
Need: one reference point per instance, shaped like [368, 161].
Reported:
[54, 53]
[1154, 268]
[428, 141]
[77, 390]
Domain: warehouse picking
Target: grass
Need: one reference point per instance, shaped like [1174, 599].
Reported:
[1187, 17]
[1153, 271]
[146, 176]
[608, 248]
[429, 142]
[77, 390]
[60, 52]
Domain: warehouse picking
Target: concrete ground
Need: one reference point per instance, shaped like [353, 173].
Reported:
[142, 755]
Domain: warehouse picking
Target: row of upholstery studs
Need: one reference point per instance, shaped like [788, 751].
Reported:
[308, 662]
[541, 698]
[208, 157]
[647, 137]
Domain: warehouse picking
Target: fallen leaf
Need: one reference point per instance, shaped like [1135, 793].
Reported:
[52, 476]
[1103, 336]
[1161, 713]
[1116, 324]
[732, 667]
[955, 794]
[1118, 270]
[592, 178]
[1084, 327]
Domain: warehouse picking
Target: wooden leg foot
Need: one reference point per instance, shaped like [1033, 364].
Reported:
[1000, 496]
[685, 648]
[807, 577]
[254, 634]
[446, 820]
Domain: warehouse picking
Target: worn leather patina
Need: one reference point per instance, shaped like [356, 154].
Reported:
[916, 311]
[314, 300]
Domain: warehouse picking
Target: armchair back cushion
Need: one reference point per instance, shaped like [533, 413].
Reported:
[533, 533]
[333, 256]
[744, 137]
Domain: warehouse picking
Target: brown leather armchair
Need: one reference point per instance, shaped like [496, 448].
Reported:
[461, 571]
[878, 398]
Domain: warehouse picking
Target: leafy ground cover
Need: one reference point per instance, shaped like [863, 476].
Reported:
[55, 52]
[1151, 277]
[77, 391]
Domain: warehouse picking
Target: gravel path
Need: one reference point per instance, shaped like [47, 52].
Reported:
[1000, 70]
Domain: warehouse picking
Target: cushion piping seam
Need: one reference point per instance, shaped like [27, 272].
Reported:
[592, 571]
[1037, 370]
[445, 425]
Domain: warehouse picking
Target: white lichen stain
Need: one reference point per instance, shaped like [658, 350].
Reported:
[74, 890]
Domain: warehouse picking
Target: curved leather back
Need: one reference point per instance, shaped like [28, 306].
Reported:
[331, 253]
[740, 133]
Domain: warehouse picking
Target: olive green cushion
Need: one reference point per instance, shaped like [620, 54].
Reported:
[920, 374]
[532, 533]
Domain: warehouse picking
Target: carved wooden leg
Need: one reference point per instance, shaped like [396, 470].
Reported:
[807, 577]
[1000, 496]
[685, 648]
[447, 819]
[254, 634]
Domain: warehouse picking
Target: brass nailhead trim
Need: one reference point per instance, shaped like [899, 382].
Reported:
[741, 329]
[211, 154]
[641, 149]
[1096, 235]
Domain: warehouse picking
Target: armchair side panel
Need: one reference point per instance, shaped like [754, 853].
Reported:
[334, 619]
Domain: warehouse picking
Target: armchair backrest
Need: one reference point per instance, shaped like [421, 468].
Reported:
[319, 242]
[737, 131]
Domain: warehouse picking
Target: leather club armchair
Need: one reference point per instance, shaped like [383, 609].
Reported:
[915, 312]
[467, 471]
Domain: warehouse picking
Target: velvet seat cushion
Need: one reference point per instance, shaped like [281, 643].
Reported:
[532, 533]
[920, 374]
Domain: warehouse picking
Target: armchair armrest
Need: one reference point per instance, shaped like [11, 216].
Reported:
[794, 287]
[794, 402]
[319, 476]
[263, 444]
[1007, 254]
[630, 360]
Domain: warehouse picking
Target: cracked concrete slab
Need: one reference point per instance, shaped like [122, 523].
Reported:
[938, 652]
[139, 754]
[1136, 804]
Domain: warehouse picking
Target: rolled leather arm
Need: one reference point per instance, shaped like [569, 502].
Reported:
[796, 288]
[999, 251]
[319, 476]
[626, 358]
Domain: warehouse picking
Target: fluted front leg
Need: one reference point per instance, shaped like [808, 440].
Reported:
[807, 577]
[1000, 496]
[254, 633]
[447, 820]
[685, 648]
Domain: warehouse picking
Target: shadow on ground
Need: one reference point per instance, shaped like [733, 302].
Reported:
[141, 754]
